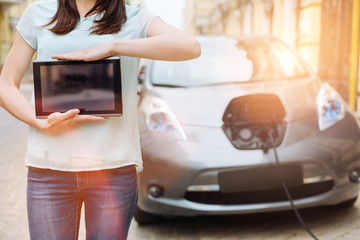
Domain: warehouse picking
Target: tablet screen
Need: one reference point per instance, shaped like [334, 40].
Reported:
[88, 86]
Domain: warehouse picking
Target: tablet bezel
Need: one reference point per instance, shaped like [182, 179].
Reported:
[118, 111]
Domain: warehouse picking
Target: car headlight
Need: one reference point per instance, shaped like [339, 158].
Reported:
[330, 106]
[160, 119]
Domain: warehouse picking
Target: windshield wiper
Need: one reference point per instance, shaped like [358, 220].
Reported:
[252, 80]
[219, 83]
[168, 85]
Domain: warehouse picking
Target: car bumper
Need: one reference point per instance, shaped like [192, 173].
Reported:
[182, 207]
[177, 166]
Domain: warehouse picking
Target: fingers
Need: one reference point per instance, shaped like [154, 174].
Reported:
[59, 117]
[69, 56]
[79, 120]
[82, 119]
[87, 54]
[72, 115]
[87, 118]
[60, 122]
[78, 55]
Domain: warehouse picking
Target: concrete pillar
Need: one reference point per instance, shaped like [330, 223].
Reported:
[289, 33]
[257, 17]
[354, 98]
[277, 28]
[5, 35]
[285, 21]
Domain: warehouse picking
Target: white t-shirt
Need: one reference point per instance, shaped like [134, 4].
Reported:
[93, 146]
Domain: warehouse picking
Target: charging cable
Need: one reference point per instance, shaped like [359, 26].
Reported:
[270, 133]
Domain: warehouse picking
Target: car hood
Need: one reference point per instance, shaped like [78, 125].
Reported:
[205, 106]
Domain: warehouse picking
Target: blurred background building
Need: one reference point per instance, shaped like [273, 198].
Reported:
[324, 32]
[10, 11]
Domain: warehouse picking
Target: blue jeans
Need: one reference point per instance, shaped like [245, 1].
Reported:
[54, 200]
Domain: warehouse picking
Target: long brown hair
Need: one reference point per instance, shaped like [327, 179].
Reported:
[67, 17]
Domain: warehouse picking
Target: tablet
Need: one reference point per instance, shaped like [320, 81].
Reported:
[92, 87]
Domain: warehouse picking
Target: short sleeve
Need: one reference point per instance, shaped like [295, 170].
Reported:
[26, 26]
[144, 16]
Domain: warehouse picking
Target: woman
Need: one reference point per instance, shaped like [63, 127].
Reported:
[75, 158]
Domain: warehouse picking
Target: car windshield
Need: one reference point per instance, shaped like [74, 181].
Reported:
[230, 61]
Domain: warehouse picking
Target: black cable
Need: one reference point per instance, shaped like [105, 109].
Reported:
[287, 190]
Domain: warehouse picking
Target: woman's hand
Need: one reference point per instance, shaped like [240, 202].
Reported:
[60, 122]
[163, 42]
[87, 54]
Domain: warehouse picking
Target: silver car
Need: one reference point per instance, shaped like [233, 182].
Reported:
[205, 124]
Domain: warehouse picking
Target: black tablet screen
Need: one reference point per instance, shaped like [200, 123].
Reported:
[83, 86]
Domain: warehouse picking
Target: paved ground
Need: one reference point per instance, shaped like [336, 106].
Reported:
[326, 223]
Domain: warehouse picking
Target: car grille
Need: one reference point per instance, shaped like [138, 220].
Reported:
[261, 196]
